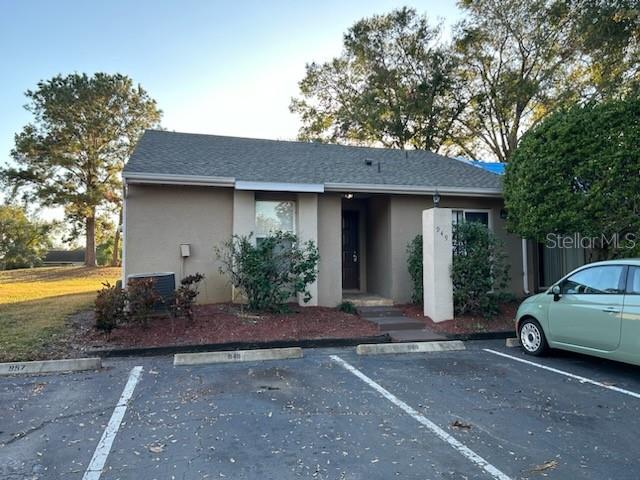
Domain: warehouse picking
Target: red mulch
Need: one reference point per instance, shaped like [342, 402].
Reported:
[223, 323]
[467, 323]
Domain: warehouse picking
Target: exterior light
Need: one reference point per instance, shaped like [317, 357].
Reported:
[348, 196]
[436, 199]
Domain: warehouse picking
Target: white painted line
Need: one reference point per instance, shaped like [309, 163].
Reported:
[439, 432]
[237, 356]
[94, 470]
[566, 374]
[408, 347]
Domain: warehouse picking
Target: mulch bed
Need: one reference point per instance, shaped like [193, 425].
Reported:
[467, 324]
[224, 323]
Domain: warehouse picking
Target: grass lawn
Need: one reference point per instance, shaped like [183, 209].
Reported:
[35, 303]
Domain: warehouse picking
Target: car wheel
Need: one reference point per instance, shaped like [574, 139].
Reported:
[532, 337]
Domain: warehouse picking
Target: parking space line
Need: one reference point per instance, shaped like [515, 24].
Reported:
[439, 432]
[566, 374]
[94, 470]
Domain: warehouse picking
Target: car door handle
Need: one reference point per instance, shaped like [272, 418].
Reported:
[611, 310]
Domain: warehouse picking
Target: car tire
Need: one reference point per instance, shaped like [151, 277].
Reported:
[532, 337]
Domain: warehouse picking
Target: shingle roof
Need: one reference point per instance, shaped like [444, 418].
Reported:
[247, 159]
[64, 256]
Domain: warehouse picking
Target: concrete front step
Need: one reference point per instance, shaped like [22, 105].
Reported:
[414, 335]
[386, 324]
[360, 300]
[369, 312]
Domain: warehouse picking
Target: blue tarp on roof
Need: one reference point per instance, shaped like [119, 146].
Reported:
[493, 167]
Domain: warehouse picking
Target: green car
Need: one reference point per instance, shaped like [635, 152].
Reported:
[594, 310]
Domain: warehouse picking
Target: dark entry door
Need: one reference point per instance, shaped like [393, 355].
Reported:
[350, 251]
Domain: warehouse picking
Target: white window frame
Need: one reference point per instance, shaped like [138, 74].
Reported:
[474, 210]
[275, 200]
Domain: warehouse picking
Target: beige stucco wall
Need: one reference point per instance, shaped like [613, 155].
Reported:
[160, 218]
[379, 246]
[307, 230]
[330, 249]
[406, 223]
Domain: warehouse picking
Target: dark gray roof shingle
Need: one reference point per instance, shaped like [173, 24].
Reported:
[247, 159]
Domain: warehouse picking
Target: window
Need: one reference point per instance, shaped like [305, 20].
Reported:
[459, 216]
[595, 280]
[273, 216]
[633, 281]
[555, 262]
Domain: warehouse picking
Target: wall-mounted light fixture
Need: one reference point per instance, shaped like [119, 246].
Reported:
[436, 199]
[348, 196]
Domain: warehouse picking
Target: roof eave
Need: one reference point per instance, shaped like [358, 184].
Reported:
[213, 181]
[413, 190]
[173, 179]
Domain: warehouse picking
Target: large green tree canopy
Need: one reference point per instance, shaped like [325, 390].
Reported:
[23, 242]
[578, 172]
[515, 59]
[400, 83]
[392, 85]
[72, 153]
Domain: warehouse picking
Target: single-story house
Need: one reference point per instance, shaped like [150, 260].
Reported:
[64, 257]
[362, 206]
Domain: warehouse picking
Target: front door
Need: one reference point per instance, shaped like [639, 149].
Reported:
[350, 251]
[589, 311]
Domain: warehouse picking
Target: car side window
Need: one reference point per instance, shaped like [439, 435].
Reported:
[633, 281]
[595, 280]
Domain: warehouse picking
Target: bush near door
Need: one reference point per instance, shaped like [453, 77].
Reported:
[480, 272]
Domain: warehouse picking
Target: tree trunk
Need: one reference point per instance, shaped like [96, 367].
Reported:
[115, 259]
[90, 247]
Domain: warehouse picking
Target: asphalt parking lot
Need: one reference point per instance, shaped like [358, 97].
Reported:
[469, 414]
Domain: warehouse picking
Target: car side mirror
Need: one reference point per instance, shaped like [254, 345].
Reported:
[556, 292]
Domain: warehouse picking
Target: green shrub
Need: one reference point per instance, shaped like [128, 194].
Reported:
[185, 297]
[479, 270]
[347, 307]
[110, 308]
[141, 299]
[270, 272]
[414, 264]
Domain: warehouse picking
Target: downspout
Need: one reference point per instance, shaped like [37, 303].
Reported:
[525, 268]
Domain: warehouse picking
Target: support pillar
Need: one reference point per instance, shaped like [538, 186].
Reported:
[437, 251]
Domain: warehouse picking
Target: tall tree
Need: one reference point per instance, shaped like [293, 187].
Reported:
[607, 36]
[23, 242]
[392, 85]
[515, 61]
[72, 154]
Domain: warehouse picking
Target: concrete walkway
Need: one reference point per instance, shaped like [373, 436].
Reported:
[401, 328]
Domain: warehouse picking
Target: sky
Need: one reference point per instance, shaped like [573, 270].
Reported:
[227, 68]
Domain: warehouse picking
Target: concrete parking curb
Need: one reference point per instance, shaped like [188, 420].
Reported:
[50, 366]
[237, 356]
[409, 347]
[233, 346]
[512, 342]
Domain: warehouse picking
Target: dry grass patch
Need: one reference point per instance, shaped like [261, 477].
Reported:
[35, 303]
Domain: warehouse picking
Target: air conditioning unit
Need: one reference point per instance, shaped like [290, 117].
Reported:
[164, 283]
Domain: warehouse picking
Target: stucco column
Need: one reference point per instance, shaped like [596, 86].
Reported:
[308, 230]
[437, 258]
[244, 212]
